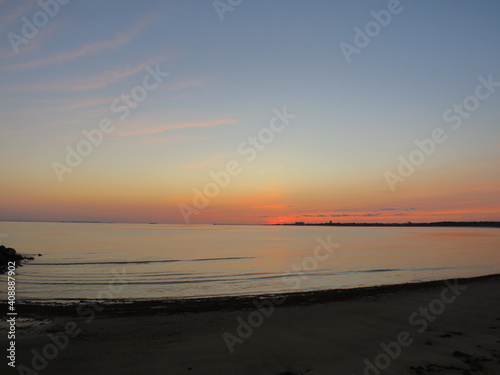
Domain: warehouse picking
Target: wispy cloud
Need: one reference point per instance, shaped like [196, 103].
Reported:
[164, 140]
[355, 215]
[84, 104]
[163, 128]
[33, 44]
[119, 40]
[15, 14]
[82, 84]
[397, 209]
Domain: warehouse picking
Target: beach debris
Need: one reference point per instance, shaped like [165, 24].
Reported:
[458, 353]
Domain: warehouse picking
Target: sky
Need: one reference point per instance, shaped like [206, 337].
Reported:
[249, 111]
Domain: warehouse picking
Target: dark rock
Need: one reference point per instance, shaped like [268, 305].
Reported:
[7, 255]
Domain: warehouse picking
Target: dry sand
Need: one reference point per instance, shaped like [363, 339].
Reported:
[332, 332]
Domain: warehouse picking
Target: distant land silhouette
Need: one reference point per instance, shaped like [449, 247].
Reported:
[488, 224]
[485, 224]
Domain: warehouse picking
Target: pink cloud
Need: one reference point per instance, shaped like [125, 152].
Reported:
[84, 104]
[92, 48]
[33, 43]
[22, 9]
[163, 140]
[82, 84]
[159, 140]
[160, 129]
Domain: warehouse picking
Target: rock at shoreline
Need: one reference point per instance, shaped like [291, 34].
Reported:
[7, 255]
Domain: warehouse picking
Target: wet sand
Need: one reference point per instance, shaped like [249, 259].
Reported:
[450, 327]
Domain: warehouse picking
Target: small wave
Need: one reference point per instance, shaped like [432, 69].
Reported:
[138, 261]
[382, 270]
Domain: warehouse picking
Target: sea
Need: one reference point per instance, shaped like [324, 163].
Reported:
[155, 261]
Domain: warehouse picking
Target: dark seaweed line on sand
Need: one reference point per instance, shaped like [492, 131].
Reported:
[174, 306]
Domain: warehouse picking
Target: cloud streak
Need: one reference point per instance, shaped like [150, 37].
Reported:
[89, 49]
[9, 17]
[397, 209]
[156, 141]
[161, 129]
[82, 84]
[84, 104]
[33, 44]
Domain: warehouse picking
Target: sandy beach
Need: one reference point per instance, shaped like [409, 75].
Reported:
[450, 327]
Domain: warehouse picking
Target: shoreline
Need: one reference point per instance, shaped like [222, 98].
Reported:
[230, 303]
[425, 328]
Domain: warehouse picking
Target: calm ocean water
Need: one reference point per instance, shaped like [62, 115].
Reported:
[153, 261]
